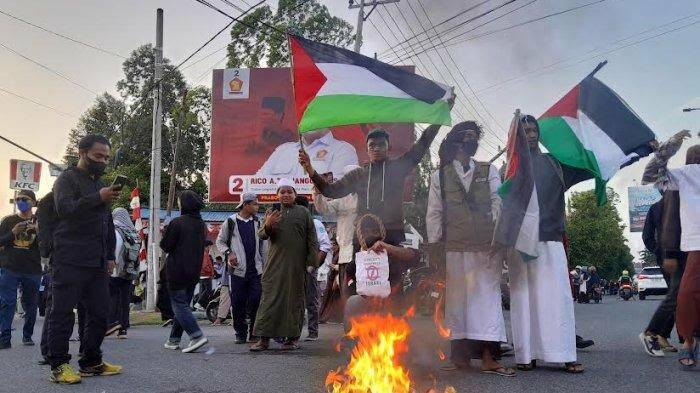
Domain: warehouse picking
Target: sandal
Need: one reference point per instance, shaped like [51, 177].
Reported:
[259, 347]
[689, 354]
[500, 370]
[573, 368]
[527, 366]
[289, 346]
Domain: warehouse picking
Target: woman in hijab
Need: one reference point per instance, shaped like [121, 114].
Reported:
[125, 271]
[184, 241]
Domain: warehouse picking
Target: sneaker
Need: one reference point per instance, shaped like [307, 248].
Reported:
[195, 344]
[240, 340]
[122, 334]
[171, 345]
[64, 374]
[43, 362]
[665, 345]
[5, 345]
[101, 370]
[581, 343]
[311, 337]
[113, 328]
[28, 342]
[651, 345]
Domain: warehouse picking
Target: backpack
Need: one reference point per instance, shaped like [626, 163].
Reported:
[130, 255]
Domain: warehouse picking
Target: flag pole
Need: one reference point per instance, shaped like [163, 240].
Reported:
[598, 68]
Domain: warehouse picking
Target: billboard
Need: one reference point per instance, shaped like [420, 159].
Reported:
[254, 138]
[640, 200]
[25, 175]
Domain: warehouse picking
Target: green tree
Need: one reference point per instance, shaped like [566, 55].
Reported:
[415, 211]
[128, 124]
[596, 234]
[254, 44]
[648, 258]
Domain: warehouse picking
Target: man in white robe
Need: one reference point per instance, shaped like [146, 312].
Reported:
[463, 205]
[542, 307]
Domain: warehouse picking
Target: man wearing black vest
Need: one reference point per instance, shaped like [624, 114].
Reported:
[463, 205]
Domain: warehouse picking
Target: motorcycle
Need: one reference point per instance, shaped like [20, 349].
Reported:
[421, 285]
[212, 308]
[626, 291]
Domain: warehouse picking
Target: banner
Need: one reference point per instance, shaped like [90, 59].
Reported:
[25, 175]
[640, 200]
[254, 138]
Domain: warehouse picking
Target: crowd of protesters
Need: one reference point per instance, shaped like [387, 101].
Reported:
[267, 270]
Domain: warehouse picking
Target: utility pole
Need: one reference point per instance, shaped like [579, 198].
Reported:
[176, 148]
[154, 203]
[361, 17]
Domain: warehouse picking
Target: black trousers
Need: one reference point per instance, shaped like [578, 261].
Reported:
[120, 291]
[44, 344]
[71, 285]
[245, 300]
[665, 316]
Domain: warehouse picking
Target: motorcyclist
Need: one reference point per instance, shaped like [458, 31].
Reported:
[625, 278]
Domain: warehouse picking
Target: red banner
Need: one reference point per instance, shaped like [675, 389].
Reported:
[254, 139]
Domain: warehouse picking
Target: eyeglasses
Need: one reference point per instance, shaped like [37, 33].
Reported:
[23, 199]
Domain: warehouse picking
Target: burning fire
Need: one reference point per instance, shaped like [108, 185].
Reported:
[374, 365]
[438, 317]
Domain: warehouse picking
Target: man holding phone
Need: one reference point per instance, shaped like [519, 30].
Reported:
[20, 265]
[83, 254]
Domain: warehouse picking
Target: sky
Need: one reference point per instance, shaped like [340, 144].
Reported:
[527, 67]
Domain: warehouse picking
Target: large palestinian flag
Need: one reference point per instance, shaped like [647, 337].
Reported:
[519, 223]
[334, 86]
[592, 129]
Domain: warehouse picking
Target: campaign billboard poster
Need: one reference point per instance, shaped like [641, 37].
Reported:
[640, 200]
[25, 175]
[254, 138]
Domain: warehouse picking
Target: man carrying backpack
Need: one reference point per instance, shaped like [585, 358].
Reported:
[239, 242]
[126, 270]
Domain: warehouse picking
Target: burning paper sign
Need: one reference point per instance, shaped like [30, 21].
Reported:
[372, 274]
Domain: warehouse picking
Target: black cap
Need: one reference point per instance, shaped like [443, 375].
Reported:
[27, 193]
[274, 103]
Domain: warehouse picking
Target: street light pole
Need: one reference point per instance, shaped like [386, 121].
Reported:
[361, 17]
[154, 203]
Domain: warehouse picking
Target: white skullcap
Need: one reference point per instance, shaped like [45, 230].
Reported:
[285, 182]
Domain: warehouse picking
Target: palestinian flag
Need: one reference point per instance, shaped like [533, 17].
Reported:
[334, 86]
[592, 129]
[519, 223]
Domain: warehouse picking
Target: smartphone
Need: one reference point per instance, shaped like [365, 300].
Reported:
[276, 207]
[119, 182]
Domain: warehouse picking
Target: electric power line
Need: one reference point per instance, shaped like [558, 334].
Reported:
[91, 46]
[49, 69]
[408, 54]
[37, 103]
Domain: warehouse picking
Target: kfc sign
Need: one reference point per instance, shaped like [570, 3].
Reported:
[25, 175]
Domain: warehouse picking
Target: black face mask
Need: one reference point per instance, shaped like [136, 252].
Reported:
[470, 147]
[95, 168]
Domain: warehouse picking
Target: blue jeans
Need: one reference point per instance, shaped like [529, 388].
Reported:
[184, 319]
[9, 281]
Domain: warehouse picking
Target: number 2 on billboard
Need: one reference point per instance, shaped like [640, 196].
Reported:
[235, 185]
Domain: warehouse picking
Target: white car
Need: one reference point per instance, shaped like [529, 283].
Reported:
[650, 281]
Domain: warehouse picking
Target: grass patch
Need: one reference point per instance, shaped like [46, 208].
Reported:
[144, 318]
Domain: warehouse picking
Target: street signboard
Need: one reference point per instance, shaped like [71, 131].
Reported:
[25, 175]
[56, 170]
[254, 138]
[640, 200]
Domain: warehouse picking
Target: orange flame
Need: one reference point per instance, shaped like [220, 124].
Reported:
[374, 364]
[438, 318]
[441, 355]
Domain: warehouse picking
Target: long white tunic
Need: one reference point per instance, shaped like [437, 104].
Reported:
[541, 306]
[473, 293]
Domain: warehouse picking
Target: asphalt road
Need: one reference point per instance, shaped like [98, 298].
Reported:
[615, 364]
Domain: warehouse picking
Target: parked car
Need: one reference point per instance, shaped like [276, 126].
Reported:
[650, 281]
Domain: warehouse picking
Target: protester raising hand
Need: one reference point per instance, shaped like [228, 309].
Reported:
[272, 218]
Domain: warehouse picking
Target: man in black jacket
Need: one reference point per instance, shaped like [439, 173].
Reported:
[185, 240]
[83, 254]
[20, 266]
[655, 337]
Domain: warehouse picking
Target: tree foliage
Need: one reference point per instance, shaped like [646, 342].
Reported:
[648, 258]
[415, 212]
[128, 123]
[253, 44]
[596, 234]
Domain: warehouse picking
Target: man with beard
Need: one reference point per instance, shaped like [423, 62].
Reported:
[292, 253]
[463, 205]
[542, 309]
[83, 253]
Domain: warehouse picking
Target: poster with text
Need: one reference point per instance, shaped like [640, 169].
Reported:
[254, 138]
[640, 200]
[25, 175]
